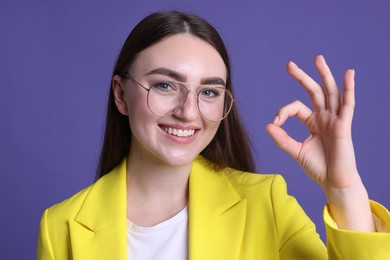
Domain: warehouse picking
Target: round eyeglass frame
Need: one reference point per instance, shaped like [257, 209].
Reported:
[128, 76]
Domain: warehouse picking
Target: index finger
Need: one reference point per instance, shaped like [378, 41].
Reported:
[316, 93]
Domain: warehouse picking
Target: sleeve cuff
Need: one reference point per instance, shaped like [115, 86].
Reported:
[380, 215]
[350, 244]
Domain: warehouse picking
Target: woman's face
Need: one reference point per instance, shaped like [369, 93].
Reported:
[176, 139]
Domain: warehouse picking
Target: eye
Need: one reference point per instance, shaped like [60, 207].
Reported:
[210, 92]
[164, 86]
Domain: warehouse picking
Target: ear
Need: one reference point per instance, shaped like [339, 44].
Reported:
[119, 95]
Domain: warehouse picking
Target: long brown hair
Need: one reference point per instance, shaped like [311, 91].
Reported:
[229, 148]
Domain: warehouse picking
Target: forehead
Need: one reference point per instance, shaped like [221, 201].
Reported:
[184, 53]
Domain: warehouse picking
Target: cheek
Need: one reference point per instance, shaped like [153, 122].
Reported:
[137, 106]
[137, 115]
[212, 128]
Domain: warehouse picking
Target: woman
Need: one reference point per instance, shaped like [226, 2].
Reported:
[174, 178]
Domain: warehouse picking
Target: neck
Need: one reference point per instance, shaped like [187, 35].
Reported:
[155, 191]
[156, 176]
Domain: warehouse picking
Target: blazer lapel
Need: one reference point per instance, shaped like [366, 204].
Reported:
[216, 215]
[99, 230]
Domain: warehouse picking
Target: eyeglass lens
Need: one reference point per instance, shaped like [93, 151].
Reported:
[214, 102]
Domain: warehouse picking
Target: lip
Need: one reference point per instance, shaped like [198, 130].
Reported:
[179, 139]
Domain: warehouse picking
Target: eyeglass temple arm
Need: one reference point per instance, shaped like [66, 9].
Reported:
[127, 76]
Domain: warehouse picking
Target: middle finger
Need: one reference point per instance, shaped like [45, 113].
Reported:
[331, 89]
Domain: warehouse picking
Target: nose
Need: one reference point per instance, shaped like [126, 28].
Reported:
[189, 110]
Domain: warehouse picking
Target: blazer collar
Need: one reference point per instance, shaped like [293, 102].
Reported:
[216, 214]
[102, 219]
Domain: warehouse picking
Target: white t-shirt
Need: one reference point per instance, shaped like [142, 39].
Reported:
[167, 240]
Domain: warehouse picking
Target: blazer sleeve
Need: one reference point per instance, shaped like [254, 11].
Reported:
[299, 240]
[44, 249]
[347, 244]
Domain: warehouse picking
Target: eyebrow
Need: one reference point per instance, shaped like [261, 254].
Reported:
[182, 78]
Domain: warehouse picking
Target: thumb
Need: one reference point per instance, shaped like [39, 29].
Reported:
[283, 140]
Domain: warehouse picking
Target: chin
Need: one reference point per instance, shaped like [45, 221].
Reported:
[179, 160]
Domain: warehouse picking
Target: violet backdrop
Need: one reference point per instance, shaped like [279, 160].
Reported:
[56, 58]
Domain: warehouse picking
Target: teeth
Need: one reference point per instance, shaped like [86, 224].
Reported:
[179, 132]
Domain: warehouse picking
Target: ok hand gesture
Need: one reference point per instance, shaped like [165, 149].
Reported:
[327, 154]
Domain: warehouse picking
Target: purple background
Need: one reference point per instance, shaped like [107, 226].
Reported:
[56, 60]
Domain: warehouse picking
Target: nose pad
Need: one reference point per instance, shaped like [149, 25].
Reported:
[189, 110]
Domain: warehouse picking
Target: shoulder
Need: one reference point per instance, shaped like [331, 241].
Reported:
[111, 184]
[69, 207]
[257, 185]
[246, 184]
[54, 232]
[95, 207]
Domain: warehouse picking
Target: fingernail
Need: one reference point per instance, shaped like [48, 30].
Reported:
[276, 120]
[353, 73]
[292, 64]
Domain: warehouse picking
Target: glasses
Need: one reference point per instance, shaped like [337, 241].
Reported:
[167, 97]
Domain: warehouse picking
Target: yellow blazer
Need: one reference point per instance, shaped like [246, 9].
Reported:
[232, 215]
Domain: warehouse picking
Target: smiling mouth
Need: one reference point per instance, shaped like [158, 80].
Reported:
[179, 132]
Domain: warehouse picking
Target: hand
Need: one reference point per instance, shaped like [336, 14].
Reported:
[327, 155]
